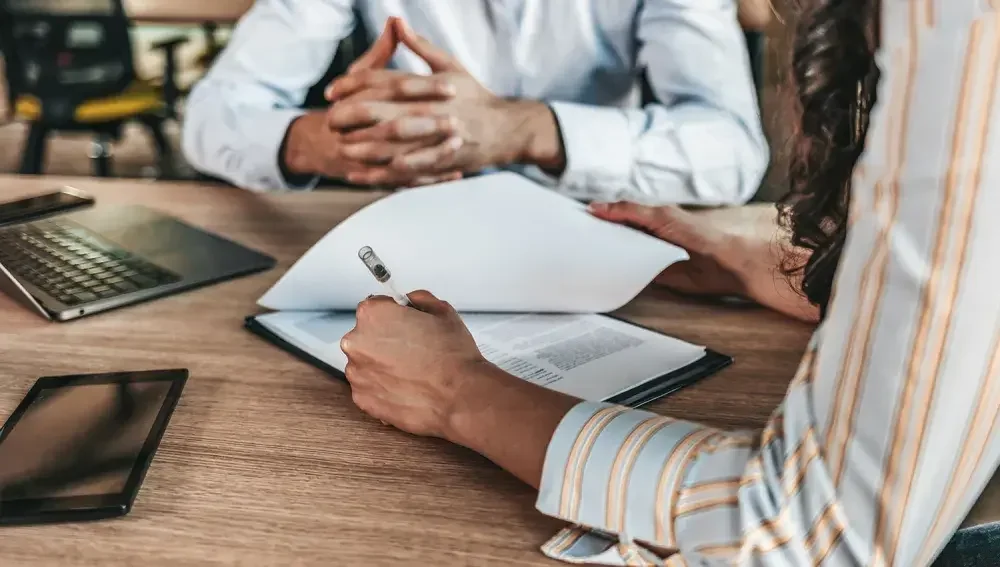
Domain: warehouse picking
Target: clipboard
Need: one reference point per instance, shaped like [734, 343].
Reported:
[639, 396]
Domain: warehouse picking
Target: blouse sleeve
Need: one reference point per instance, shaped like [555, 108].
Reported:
[888, 433]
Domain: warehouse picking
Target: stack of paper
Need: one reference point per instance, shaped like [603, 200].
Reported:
[530, 271]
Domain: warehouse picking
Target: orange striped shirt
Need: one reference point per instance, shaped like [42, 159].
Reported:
[889, 433]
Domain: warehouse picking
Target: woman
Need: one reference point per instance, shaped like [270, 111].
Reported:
[888, 432]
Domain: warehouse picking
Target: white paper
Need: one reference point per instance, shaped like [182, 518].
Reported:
[592, 357]
[495, 243]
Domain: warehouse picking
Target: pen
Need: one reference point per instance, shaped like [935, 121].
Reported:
[377, 267]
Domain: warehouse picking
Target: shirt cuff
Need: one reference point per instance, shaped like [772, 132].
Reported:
[270, 129]
[598, 147]
[616, 473]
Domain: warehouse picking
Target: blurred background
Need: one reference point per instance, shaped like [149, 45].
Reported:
[191, 32]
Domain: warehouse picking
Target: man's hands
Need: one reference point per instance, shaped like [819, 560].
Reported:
[312, 147]
[400, 128]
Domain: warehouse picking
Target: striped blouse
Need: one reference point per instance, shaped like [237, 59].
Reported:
[888, 432]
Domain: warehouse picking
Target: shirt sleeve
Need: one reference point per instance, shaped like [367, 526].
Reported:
[701, 143]
[237, 116]
[889, 431]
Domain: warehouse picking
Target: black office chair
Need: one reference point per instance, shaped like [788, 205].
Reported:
[73, 71]
[10, 60]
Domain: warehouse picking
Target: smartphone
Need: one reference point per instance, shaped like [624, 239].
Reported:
[38, 206]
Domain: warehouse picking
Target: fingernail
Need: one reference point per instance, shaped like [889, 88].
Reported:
[447, 89]
[454, 143]
[422, 126]
[597, 207]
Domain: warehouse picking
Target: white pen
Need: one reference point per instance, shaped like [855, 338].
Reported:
[377, 267]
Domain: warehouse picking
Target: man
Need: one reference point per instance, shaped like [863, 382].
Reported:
[551, 88]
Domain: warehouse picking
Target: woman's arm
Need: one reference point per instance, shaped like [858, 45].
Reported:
[888, 432]
[755, 14]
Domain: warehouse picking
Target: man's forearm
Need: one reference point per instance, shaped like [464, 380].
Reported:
[534, 135]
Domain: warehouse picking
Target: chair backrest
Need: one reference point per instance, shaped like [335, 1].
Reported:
[68, 51]
[11, 66]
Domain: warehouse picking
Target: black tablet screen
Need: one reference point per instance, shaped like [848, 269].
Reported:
[80, 439]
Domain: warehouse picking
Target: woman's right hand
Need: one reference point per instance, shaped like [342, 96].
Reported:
[722, 263]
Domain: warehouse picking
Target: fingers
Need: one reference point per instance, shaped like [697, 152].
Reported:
[349, 115]
[373, 307]
[371, 153]
[377, 56]
[382, 84]
[380, 52]
[436, 158]
[376, 176]
[438, 59]
[391, 178]
[433, 161]
[669, 223]
[433, 179]
[427, 302]
[650, 219]
[382, 152]
[404, 128]
[398, 143]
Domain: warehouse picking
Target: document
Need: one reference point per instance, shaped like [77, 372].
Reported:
[592, 357]
[529, 271]
[495, 243]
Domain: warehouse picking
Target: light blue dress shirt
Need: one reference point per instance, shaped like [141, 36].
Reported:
[701, 143]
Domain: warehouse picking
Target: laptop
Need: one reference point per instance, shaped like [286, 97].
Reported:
[73, 265]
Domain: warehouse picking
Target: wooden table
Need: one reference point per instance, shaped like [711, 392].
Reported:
[187, 11]
[266, 460]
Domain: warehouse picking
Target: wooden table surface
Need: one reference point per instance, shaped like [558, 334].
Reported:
[266, 460]
[186, 11]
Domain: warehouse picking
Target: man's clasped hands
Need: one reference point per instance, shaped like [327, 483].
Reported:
[393, 128]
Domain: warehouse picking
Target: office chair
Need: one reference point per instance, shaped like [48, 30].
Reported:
[213, 46]
[73, 71]
[10, 60]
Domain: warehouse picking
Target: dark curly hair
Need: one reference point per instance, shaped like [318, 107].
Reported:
[833, 83]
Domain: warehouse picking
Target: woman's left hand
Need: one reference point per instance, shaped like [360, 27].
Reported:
[406, 365]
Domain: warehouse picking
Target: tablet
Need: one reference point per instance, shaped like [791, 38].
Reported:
[78, 447]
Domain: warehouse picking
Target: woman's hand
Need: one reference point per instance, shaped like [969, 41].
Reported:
[406, 365]
[418, 368]
[722, 263]
[708, 272]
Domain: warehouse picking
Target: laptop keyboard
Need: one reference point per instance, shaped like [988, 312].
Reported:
[74, 265]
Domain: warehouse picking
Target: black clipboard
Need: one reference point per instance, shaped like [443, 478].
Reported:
[638, 396]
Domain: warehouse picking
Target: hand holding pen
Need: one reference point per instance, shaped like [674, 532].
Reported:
[404, 365]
